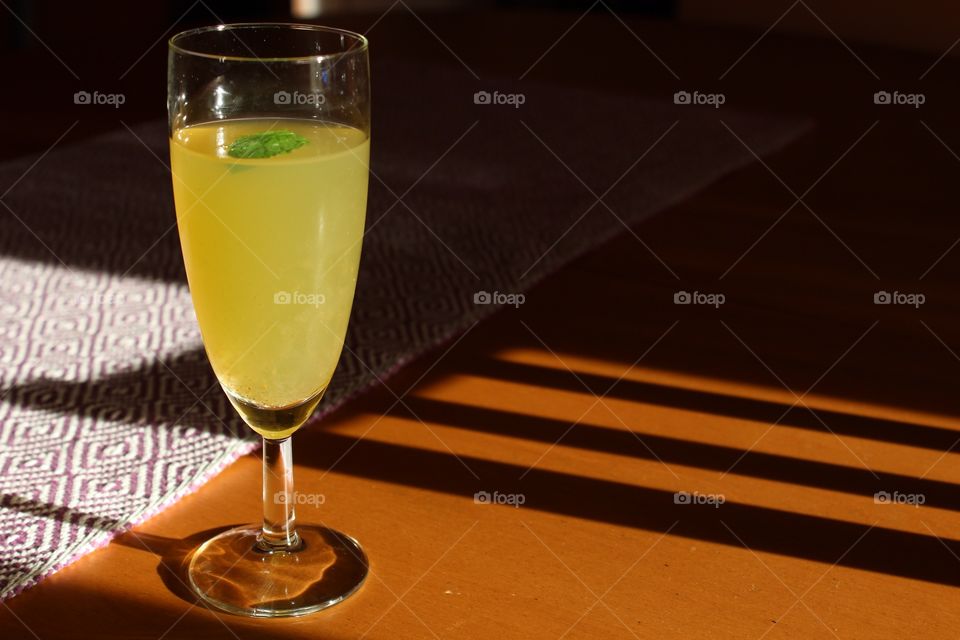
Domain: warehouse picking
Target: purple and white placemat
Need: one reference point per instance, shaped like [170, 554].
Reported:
[108, 410]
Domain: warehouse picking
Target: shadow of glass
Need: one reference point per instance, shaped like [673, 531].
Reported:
[153, 393]
[174, 557]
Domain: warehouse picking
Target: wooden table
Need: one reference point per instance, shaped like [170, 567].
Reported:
[781, 413]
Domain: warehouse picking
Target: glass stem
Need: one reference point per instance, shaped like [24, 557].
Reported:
[279, 519]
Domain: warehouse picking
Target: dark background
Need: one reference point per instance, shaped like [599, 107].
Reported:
[117, 46]
[51, 49]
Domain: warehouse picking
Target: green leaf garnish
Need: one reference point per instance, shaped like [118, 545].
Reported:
[266, 144]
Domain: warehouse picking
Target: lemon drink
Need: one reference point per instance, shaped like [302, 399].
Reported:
[271, 216]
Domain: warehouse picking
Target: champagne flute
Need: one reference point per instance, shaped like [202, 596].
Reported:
[269, 130]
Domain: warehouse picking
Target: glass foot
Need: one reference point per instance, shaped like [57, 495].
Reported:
[232, 573]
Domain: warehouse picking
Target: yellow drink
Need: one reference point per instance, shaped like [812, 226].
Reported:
[271, 247]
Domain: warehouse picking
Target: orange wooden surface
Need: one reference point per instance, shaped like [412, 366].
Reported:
[600, 398]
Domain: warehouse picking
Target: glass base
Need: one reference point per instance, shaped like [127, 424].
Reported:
[232, 573]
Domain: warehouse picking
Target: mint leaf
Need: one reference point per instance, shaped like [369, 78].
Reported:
[266, 144]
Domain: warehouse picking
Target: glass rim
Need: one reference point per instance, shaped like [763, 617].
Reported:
[356, 37]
